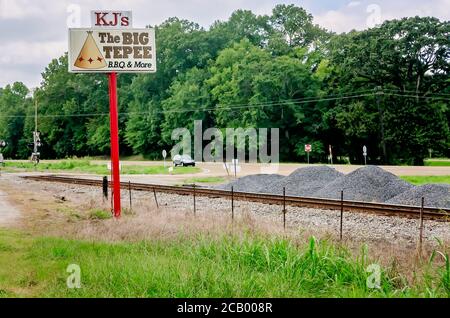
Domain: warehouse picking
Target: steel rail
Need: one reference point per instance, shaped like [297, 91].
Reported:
[331, 204]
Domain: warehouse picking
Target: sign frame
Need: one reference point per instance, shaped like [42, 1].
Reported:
[106, 70]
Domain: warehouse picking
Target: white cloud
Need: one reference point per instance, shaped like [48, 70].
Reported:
[353, 4]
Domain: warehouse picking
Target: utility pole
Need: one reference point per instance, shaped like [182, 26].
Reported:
[379, 92]
[36, 138]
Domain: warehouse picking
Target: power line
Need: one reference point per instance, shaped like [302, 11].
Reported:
[417, 92]
[223, 107]
[291, 102]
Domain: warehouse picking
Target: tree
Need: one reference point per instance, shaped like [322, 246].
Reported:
[409, 60]
[13, 107]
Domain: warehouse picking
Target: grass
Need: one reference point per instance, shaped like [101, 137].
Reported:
[438, 162]
[98, 214]
[205, 180]
[201, 267]
[420, 180]
[85, 166]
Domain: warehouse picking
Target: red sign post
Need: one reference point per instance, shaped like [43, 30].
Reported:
[112, 46]
[114, 124]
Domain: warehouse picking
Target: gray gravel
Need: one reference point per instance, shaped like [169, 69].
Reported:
[370, 183]
[304, 181]
[436, 195]
[253, 183]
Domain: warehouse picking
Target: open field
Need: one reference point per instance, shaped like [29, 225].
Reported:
[86, 166]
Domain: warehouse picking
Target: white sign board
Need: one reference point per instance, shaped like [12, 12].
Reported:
[164, 154]
[111, 19]
[365, 151]
[112, 50]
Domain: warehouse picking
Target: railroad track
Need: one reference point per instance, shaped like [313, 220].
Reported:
[349, 206]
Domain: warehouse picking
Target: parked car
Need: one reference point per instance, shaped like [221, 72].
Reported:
[184, 160]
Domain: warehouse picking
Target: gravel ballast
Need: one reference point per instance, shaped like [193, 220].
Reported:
[304, 181]
[435, 195]
[252, 183]
[370, 183]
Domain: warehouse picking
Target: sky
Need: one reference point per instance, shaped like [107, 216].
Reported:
[33, 32]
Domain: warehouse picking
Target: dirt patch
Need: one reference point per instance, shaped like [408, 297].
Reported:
[9, 215]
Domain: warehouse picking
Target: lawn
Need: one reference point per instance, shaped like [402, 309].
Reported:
[438, 162]
[85, 166]
[420, 180]
[204, 180]
[199, 267]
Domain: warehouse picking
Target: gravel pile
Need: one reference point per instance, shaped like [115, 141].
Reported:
[370, 183]
[436, 195]
[304, 181]
[252, 183]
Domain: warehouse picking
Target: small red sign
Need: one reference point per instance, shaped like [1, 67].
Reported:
[308, 148]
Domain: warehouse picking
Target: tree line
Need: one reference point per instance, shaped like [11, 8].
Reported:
[386, 87]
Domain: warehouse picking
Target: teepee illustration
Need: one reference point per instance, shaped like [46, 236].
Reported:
[90, 56]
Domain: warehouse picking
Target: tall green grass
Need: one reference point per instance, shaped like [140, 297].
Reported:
[202, 267]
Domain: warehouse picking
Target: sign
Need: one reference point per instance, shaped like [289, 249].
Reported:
[111, 19]
[112, 46]
[365, 155]
[112, 50]
[331, 153]
[164, 154]
[308, 148]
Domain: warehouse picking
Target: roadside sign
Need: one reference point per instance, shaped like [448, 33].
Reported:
[112, 46]
[365, 155]
[330, 149]
[308, 149]
[114, 50]
[111, 19]
[164, 154]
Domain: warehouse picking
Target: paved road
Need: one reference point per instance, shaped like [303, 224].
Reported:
[8, 214]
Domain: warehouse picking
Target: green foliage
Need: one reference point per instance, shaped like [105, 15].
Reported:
[260, 71]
